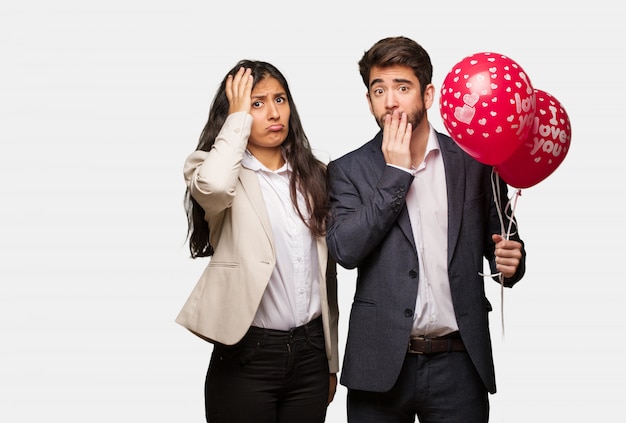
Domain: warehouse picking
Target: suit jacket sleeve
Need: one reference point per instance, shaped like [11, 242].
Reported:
[212, 176]
[357, 227]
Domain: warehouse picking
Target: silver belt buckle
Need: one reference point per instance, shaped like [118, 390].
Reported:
[427, 349]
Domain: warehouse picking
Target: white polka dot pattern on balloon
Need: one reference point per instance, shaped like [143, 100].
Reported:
[545, 146]
[487, 104]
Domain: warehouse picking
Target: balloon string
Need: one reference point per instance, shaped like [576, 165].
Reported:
[495, 185]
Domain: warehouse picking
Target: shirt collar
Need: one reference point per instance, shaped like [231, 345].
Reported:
[432, 148]
[250, 162]
[433, 142]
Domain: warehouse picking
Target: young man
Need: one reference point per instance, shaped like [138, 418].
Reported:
[416, 216]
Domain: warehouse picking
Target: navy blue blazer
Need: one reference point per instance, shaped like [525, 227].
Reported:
[369, 229]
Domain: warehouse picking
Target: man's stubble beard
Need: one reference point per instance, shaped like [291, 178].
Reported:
[414, 118]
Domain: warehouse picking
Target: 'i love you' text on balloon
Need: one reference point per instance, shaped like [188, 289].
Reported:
[487, 104]
[545, 147]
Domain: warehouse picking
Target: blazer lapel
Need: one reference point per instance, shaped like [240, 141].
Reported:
[455, 184]
[250, 183]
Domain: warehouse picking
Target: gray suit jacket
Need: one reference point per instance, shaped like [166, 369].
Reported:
[369, 229]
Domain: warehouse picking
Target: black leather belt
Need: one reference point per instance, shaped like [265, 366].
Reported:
[448, 343]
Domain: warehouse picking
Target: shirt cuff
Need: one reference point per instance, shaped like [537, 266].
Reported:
[412, 170]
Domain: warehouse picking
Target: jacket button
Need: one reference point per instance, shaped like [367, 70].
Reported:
[408, 312]
[413, 274]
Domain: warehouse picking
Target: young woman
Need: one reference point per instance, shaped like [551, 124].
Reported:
[257, 204]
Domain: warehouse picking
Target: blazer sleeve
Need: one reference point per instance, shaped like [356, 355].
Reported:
[363, 213]
[212, 176]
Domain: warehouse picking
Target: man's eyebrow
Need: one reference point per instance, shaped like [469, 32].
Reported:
[395, 81]
[375, 81]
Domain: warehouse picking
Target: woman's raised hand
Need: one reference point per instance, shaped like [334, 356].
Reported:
[239, 91]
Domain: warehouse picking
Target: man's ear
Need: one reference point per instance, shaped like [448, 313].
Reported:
[369, 103]
[429, 96]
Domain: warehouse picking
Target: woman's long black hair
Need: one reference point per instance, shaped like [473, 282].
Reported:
[309, 173]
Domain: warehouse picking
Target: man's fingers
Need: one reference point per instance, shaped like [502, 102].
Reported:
[397, 139]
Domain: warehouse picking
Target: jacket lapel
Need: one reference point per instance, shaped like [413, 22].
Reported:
[455, 183]
[250, 183]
